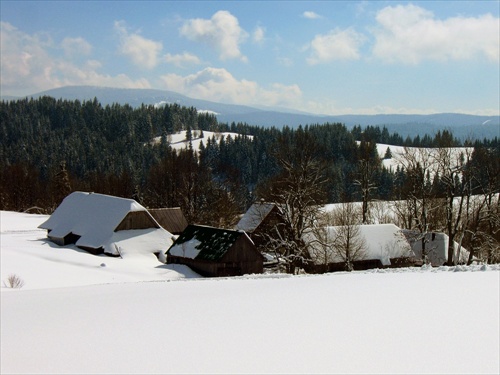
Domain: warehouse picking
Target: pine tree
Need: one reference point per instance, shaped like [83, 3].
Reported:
[388, 153]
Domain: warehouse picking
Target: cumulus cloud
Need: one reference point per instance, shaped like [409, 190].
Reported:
[221, 32]
[310, 15]
[76, 46]
[336, 45]
[258, 34]
[411, 34]
[29, 65]
[143, 52]
[220, 85]
[183, 59]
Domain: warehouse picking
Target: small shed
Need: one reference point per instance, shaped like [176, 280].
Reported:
[436, 245]
[102, 223]
[213, 252]
[171, 219]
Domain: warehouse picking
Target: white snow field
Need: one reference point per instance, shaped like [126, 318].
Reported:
[140, 316]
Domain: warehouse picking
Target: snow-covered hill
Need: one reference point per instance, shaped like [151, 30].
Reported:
[75, 315]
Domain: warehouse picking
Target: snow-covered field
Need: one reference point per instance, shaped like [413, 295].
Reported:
[79, 313]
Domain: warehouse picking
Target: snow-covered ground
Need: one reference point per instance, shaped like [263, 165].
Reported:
[80, 313]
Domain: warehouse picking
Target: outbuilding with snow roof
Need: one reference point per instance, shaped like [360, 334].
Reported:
[213, 251]
[385, 245]
[106, 224]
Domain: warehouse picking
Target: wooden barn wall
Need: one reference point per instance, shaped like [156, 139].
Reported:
[244, 255]
[137, 220]
[265, 227]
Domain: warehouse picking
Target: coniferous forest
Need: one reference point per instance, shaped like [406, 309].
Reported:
[51, 147]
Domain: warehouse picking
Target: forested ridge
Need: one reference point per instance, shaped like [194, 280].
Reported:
[50, 147]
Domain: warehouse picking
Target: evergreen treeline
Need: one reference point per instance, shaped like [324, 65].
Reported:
[50, 147]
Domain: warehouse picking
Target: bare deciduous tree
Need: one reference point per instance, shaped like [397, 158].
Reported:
[297, 192]
[337, 238]
[455, 180]
[419, 195]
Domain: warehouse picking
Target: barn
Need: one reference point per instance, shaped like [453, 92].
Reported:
[384, 245]
[215, 252]
[101, 223]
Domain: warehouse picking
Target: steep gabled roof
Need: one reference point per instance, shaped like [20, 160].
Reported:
[254, 216]
[202, 242]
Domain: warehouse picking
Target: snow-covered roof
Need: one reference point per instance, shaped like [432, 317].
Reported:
[254, 216]
[203, 242]
[94, 217]
[382, 241]
[138, 242]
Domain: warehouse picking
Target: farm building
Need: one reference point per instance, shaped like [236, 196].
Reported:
[105, 224]
[436, 245]
[259, 219]
[380, 246]
[171, 219]
[216, 252]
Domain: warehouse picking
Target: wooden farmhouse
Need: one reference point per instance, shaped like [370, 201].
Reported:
[106, 224]
[383, 246]
[171, 219]
[260, 219]
[216, 252]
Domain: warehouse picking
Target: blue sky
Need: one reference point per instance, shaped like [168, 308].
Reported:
[325, 57]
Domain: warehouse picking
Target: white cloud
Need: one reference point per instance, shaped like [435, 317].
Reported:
[76, 46]
[222, 32]
[284, 61]
[143, 52]
[311, 15]
[258, 34]
[220, 85]
[411, 34]
[181, 60]
[336, 45]
[28, 67]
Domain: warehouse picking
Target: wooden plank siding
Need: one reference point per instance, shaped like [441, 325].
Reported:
[137, 220]
[171, 219]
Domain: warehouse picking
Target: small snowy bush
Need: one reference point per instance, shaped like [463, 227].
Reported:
[14, 281]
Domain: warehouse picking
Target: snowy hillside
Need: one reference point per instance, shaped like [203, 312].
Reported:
[80, 313]
[179, 140]
[398, 151]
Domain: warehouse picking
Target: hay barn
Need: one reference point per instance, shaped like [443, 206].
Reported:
[216, 252]
[102, 223]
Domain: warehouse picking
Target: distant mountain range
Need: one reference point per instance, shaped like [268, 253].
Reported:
[463, 126]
